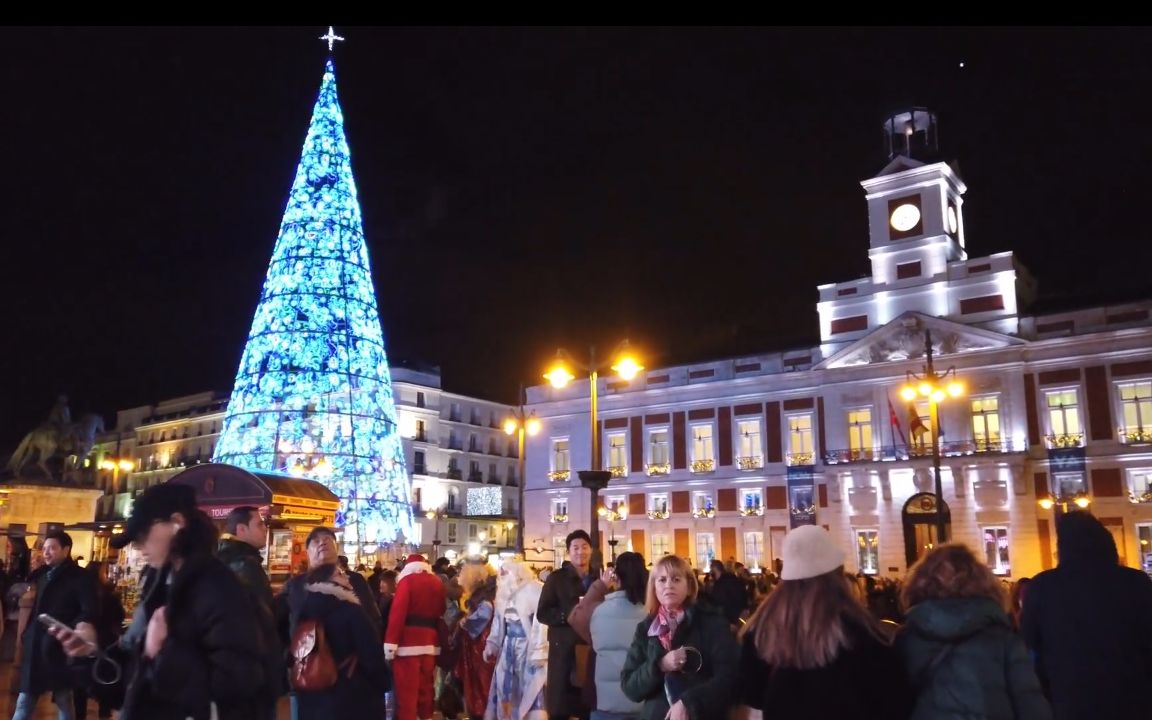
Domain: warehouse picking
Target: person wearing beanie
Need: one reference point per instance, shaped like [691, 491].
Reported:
[812, 650]
[412, 640]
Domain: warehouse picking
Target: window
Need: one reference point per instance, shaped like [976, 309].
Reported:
[454, 412]
[453, 498]
[559, 550]
[749, 456]
[421, 431]
[920, 432]
[996, 549]
[659, 545]
[1140, 485]
[986, 423]
[492, 447]
[473, 445]
[702, 505]
[451, 533]
[1144, 539]
[474, 471]
[703, 460]
[453, 441]
[658, 463]
[860, 433]
[800, 449]
[513, 451]
[754, 549]
[658, 506]
[418, 463]
[560, 509]
[1070, 484]
[419, 399]
[752, 502]
[618, 454]
[705, 550]
[1136, 412]
[560, 468]
[1064, 419]
[417, 495]
[493, 475]
[512, 479]
[868, 551]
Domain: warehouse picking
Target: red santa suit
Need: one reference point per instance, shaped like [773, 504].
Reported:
[412, 641]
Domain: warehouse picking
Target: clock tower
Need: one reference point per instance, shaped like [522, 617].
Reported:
[917, 247]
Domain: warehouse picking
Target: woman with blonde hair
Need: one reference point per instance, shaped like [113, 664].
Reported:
[812, 650]
[958, 645]
[683, 659]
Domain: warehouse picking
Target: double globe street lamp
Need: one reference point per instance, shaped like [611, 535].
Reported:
[560, 373]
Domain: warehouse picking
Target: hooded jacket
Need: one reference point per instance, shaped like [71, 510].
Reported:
[1089, 624]
[964, 661]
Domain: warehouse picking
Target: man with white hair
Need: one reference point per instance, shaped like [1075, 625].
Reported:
[519, 646]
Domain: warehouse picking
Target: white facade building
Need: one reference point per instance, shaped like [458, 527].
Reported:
[461, 462]
[720, 459]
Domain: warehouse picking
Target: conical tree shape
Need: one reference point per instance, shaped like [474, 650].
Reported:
[313, 395]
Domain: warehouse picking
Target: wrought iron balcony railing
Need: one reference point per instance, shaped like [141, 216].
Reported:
[703, 466]
[801, 458]
[1136, 436]
[559, 517]
[657, 514]
[947, 449]
[619, 471]
[1066, 440]
[708, 512]
[751, 462]
[559, 475]
[658, 468]
[752, 510]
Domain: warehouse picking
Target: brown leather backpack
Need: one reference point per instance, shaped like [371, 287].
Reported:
[313, 667]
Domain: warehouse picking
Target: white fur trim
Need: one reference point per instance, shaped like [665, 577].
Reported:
[337, 591]
[412, 568]
[417, 650]
[389, 651]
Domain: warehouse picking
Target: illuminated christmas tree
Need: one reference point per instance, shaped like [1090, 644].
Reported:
[313, 395]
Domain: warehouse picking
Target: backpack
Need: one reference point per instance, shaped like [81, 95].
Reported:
[313, 667]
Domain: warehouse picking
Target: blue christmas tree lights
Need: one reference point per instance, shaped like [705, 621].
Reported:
[313, 394]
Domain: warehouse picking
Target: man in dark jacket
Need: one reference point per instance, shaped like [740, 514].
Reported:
[561, 592]
[239, 549]
[1089, 623]
[67, 593]
[729, 593]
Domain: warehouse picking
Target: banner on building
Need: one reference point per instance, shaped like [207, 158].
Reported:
[801, 495]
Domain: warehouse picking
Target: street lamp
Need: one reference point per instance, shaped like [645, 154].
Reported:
[116, 466]
[936, 387]
[1063, 499]
[520, 424]
[612, 515]
[434, 516]
[626, 366]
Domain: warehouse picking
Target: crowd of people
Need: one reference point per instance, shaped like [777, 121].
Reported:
[631, 640]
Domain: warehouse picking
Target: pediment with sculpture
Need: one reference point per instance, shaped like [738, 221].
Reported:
[903, 339]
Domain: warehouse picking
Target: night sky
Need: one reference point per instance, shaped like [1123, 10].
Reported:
[523, 189]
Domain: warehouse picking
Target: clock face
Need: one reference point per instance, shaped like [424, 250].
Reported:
[953, 221]
[905, 217]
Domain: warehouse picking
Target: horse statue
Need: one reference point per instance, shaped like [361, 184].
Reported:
[75, 440]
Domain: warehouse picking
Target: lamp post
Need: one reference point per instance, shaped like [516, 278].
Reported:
[521, 424]
[612, 515]
[116, 465]
[434, 516]
[1063, 499]
[559, 374]
[931, 385]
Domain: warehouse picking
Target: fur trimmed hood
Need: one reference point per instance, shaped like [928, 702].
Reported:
[412, 568]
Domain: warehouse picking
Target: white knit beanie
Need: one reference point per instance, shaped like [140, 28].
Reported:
[809, 551]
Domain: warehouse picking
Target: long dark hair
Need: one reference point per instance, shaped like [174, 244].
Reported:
[633, 576]
[197, 538]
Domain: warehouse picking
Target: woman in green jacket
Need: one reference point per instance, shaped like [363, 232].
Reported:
[683, 660]
[962, 657]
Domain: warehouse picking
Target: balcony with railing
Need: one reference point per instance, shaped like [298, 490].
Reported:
[703, 466]
[420, 469]
[954, 448]
[421, 437]
[476, 477]
[750, 462]
[618, 471]
[704, 512]
[657, 514]
[1065, 440]
[655, 469]
[559, 475]
[801, 458]
[455, 444]
[752, 510]
[559, 517]
[454, 473]
[1136, 436]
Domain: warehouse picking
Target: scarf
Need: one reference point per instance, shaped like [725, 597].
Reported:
[337, 585]
[664, 625]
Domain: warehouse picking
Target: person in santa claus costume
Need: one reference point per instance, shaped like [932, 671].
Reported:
[412, 640]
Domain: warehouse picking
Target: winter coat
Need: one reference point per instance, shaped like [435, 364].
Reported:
[349, 631]
[248, 565]
[1089, 624]
[710, 694]
[212, 655]
[865, 682]
[964, 661]
[613, 621]
[562, 591]
[68, 594]
[730, 595]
